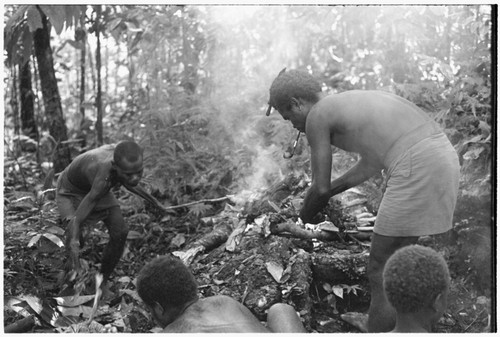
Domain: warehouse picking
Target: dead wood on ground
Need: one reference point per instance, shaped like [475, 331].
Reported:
[340, 266]
[215, 238]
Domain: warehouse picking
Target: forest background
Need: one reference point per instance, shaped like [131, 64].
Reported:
[190, 84]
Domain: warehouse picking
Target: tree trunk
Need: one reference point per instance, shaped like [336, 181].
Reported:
[188, 58]
[14, 103]
[82, 76]
[83, 72]
[51, 99]
[99, 127]
[28, 123]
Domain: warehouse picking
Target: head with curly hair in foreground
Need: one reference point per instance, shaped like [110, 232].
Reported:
[416, 282]
[166, 286]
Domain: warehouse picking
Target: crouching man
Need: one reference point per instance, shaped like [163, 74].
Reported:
[84, 197]
[170, 292]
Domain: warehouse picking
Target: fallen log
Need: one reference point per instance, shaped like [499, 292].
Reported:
[340, 266]
[215, 238]
[301, 278]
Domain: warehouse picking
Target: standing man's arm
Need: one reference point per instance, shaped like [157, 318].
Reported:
[318, 136]
[359, 173]
[317, 198]
[322, 188]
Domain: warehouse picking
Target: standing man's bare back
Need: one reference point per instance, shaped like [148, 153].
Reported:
[365, 122]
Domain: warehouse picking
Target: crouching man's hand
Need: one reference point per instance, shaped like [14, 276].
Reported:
[73, 268]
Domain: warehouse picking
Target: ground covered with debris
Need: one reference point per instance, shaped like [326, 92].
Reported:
[251, 247]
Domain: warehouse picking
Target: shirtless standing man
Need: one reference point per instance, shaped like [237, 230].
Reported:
[83, 198]
[391, 134]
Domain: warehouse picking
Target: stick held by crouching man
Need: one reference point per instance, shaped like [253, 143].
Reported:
[170, 292]
[416, 283]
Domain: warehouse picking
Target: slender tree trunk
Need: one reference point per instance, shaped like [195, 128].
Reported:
[188, 58]
[82, 78]
[83, 72]
[51, 97]
[91, 66]
[106, 68]
[28, 123]
[447, 36]
[98, 67]
[14, 103]
[115, 73]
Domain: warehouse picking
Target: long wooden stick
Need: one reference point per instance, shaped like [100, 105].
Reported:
[198, 202]
[296, 231]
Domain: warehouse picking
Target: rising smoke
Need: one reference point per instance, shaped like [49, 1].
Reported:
[246, 60]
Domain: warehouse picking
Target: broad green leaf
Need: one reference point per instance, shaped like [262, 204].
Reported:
[473, 153]
[34, 19]
[56, 15]
[79, 311]
[178, 240]
[54, 239]
[275, 269]
[34, 240]
[338, 291]
[475, 139]
[73, 301]
[327, 287]
[133, 235]
[114, 23]
[73, 14]
[56, 230]
[124, 279]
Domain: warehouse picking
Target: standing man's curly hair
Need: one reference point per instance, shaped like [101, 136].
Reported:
[127, 151]
[293, 83]
[413, 277]
[168, 281]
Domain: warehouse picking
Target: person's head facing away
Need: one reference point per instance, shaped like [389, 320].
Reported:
[293, 84]
[167, 282]
[416, 279]
[127, 160]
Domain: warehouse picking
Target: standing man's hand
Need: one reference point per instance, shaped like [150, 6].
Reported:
[319, 217]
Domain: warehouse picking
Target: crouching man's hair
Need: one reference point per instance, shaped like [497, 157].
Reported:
[168, 281]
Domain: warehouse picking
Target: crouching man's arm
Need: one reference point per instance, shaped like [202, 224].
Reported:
[138, 190]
